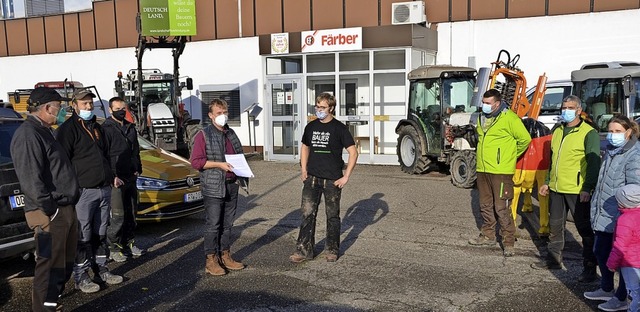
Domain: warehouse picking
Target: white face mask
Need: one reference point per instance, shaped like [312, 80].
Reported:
[221, 120]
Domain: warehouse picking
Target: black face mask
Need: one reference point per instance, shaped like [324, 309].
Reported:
[119, 115]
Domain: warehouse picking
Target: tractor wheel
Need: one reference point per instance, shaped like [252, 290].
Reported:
[463, 169]
[409, 151]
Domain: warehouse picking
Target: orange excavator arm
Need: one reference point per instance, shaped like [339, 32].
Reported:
[514, 87]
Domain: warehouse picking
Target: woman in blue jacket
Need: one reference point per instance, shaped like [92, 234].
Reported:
[620, 166]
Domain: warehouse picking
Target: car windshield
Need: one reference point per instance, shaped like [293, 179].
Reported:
[7, 129]
[146, 144]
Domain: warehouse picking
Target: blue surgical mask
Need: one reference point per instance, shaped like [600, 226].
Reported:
[486, 108]
[86, 114]
[568, 115]
[321, 115]
[616, 139]
[62, 114]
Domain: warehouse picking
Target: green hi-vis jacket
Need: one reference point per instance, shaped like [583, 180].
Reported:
[569, 167]
[500, 145]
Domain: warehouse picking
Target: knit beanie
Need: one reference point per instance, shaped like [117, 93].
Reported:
[628, 196]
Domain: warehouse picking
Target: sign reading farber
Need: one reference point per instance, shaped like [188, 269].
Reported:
[168, 17]
[280, 43]
[332, 40]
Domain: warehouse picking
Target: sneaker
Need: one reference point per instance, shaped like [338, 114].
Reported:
[614, 304]
[546, 265]
[118, 256]
[87, 286]
[331, 257]
[297, 258]
[111, 278]
[599, 294]
[508, 251]
[135, 251]
[482, 240]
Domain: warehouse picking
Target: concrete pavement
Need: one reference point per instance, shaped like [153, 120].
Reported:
[404, 248]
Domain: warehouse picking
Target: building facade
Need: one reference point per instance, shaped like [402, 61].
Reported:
[239, 54]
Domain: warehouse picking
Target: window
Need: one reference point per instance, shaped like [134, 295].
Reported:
[233, 100]
[388, 59]
[284, 65]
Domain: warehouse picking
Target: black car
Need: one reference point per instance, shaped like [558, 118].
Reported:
[15, 236]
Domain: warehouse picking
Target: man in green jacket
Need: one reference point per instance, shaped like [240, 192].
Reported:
[502, 138]
[575, 162]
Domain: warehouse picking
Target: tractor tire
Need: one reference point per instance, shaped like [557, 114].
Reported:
[463, 169]
[409, 151]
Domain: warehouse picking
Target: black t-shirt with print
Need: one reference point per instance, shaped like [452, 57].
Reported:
[326, 142]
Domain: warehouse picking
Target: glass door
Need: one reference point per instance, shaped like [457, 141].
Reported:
[285, 100]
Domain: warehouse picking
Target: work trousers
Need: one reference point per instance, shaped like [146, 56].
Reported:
[220, 213]
[602, 248]
[92, 210]
[124, 206]
[559, 205]
[495, 192]
[313, 190]
[55, 251]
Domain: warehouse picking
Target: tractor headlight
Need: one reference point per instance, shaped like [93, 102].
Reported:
[151, 184]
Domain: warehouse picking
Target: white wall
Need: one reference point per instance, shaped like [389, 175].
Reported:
[234, 61]
[552, 44]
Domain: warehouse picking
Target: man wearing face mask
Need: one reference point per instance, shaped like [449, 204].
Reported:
[502, 138]
[219, 186]
[124, 152]
[321, 167]
[573, 174]
[50, 187]
[83, 140]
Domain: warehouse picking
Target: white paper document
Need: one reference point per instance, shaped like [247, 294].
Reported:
[239, 164]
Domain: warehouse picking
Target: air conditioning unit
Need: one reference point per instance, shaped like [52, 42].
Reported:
[408, 13]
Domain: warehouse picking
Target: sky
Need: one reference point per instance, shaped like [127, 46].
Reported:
[69, 6]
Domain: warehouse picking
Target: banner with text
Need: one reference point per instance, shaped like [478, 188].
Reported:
[168, 17]
[332, 40]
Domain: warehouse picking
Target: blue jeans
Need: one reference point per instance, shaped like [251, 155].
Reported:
[312, 191]
[602, 249]
[220, 213]
[632, 278]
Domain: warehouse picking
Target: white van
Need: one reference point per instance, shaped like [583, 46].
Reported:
[552, 102]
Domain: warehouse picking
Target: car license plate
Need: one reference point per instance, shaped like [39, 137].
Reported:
[190, 197]
[16, 202]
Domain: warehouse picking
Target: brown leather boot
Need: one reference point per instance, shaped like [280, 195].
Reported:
[229, 263]
[213, 266]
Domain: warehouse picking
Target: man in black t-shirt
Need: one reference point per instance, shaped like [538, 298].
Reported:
[321, 162]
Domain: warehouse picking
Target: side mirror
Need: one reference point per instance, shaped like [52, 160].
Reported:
[189, 84]
[628, 87]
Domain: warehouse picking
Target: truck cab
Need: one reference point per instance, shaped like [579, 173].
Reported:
[607, 89]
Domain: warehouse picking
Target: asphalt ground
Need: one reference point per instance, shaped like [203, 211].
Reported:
[403, 248]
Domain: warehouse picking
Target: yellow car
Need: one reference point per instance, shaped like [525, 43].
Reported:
[168, 187]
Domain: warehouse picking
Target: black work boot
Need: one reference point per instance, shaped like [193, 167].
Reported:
[588, 274]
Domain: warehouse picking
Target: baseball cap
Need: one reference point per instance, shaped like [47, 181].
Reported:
[43, 95]
[80, 94]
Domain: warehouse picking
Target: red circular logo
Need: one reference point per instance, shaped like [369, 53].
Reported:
[309, 40]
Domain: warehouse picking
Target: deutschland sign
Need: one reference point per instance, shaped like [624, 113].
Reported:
[168, 17]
